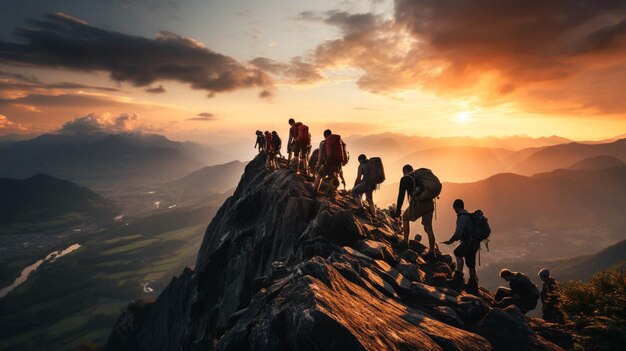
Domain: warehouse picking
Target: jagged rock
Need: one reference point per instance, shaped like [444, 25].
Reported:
[410, 256]
[447, 315]
[410, 271]
[444, 270]
[278, 270]
[506, 329]
[392, 276]
[417, 246]
[471, 308]
[373, 249]
[552, 332]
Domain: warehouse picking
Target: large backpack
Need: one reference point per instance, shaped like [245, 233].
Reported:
[480, 226]
[334, 150]
[427, 185]
[377, 171]
[303, 134]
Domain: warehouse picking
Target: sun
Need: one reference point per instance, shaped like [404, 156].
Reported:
[463, 116]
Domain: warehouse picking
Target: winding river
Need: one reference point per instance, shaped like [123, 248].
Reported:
[28, 270]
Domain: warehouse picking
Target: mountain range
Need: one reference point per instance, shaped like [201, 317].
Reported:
[43, 198]
[102, 157]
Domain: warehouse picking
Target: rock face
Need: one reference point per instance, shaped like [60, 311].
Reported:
[281, 270]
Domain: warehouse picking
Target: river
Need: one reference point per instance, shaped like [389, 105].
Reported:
[30, 269]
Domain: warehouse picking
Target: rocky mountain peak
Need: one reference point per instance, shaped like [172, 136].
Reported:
[282, 270]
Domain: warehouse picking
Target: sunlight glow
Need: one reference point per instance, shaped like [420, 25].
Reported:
[463, 116]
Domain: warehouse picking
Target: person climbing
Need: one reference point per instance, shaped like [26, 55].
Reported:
[277, 143]
[330, 158]
[550, 298]
[271, 154]
[422, 187]
[260, 141]
[522, 293]
[467, 249]
[299, 140]
[370, 173]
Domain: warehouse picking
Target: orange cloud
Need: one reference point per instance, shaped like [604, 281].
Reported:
[546, 56]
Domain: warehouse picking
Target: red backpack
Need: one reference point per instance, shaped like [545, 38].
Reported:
[303, 134]
[334, 150]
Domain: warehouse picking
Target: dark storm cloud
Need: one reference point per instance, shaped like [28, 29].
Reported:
[296, 71]
[19, 77]
[61, 41]
[203, 116]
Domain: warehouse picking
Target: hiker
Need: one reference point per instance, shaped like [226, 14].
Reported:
[313, 161]
[467, 249]
[299, 140]
[369, 175]
[331, 156]
[550, 298]
[422, 187]
[277, 143]
[260, 141]
[271, 154]
[522, 292]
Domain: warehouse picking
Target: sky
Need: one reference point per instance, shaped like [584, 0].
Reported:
[215, 71]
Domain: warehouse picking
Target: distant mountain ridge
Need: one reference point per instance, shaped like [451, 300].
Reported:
[208, 180]
[102, 157]
[597, 163]
[42, 198]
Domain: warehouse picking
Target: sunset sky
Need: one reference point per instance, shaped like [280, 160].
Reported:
[218, 70]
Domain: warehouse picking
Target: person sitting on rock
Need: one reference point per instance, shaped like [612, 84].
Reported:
[466, 250]
[522, 293]
[364, 185]
[550, 298]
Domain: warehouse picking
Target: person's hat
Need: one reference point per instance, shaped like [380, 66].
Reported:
[544, 272]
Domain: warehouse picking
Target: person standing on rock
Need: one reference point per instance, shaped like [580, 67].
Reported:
[466, 250]
[422, 187]
[260, 141]
[363, 184]
[277, 143]
[330, 158]
[271, 153]
[550, 298]
[522, 293]
[298, 143]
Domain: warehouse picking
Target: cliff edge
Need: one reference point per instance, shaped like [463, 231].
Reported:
[281, 270]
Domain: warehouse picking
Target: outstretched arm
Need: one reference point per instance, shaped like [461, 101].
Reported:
[401, 192]
[462, 222]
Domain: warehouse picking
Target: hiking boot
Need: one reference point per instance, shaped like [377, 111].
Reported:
[458, 283]
[472, 286]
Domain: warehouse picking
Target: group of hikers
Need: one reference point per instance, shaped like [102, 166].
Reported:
[422, 187]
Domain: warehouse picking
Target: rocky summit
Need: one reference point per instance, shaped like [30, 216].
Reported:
[280, 269]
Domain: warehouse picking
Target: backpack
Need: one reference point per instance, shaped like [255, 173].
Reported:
[480, 226]
[377, 171]
[303, 135]
[427, 185]
[278, 143]
[334, 150]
